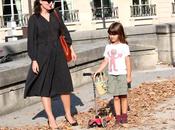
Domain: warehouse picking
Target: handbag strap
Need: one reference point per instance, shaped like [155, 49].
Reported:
[58, 18]
[100, 77]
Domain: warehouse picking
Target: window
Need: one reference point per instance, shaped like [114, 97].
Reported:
[65, 7]
[66, 4]
[142, 8]
[140, 2]
[97, 8]
[12, 11]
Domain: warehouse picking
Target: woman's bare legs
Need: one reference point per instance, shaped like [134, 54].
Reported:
[48, 108]
[67, 107]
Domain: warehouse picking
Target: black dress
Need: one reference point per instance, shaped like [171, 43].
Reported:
[43, 46]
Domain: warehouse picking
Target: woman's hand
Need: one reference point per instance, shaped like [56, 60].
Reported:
[35, 67]
[74, 56]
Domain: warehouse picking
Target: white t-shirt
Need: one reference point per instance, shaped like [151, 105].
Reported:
[116, 54]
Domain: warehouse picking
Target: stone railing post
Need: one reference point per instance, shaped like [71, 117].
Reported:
[166, 41]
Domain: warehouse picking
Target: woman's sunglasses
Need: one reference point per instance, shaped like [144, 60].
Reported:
[49, 1]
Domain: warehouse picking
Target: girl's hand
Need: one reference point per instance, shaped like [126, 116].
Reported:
[95, 74]
[35, 67]
[74, 56]
[129, 79]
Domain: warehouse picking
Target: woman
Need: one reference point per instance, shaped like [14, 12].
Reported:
[49, 73]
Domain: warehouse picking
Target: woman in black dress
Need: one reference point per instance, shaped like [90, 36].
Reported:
[49, 73]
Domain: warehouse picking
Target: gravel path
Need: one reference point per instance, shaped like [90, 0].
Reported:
[152, 108]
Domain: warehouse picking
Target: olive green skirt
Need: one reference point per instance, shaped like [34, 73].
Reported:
[117, 85]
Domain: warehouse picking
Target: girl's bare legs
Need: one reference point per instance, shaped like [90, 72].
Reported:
[117, 106]
[124, 104]
[66, 103]
[47, 106]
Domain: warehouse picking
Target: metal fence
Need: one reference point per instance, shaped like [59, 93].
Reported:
[21, 20]
[107, 11]
[71, 15]
[143, 10]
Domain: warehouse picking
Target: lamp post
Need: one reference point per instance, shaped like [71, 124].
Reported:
[30, 7]
[12, 10]
[62, 8]
[102, 14]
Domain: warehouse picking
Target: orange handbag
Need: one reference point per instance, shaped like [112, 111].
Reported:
[66, 48]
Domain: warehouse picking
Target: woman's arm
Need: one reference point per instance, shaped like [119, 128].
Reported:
[31, 40]
[66, 33]
[64, 28]
[31, 43]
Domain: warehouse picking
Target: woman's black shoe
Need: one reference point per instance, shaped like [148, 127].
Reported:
[52, 128]
[72, 124]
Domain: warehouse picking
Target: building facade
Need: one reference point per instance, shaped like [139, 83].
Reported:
[81, 15]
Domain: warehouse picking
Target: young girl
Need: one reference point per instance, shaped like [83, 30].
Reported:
[117, 57]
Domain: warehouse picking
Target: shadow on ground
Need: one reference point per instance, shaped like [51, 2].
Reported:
[57, 107]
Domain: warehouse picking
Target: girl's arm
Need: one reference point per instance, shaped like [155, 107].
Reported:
[128, 68]
[102, 65]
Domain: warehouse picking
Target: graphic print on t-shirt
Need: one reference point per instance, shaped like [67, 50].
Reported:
[116, 54]
[113, 55]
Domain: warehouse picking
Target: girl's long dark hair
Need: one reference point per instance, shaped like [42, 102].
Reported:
[116, 28]
[37, 7]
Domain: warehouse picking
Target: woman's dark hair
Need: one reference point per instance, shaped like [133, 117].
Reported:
[116, 28]
[37, 7]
